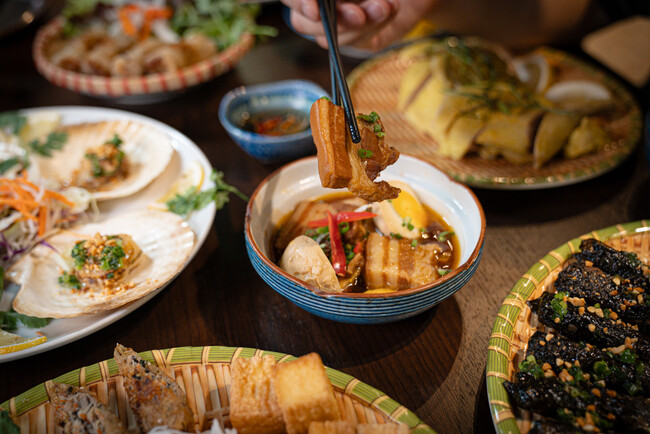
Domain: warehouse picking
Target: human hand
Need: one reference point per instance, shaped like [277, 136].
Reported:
[362, 24]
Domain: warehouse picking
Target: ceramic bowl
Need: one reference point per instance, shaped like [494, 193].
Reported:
[279, 193]
[298, 95]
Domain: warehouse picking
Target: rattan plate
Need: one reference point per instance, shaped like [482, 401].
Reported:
[134, 89]
[204, 374]
[516, 323]
[374, 85]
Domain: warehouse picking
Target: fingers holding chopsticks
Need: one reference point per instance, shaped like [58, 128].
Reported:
[354, 20]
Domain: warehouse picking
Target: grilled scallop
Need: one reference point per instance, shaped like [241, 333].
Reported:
[100, 266]
[112, 159]
[155, 398]
[77, 410]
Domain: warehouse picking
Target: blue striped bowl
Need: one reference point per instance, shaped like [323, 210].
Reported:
[279, 193]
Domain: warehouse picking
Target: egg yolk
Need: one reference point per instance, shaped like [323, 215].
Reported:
[408, 206]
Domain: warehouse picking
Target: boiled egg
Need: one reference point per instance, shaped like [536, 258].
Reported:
[404, 216]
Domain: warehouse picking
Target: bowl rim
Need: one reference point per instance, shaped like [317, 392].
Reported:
[133, 85]
[257, 89]
[398, 294]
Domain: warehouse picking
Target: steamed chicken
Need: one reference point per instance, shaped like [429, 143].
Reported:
[342, 243]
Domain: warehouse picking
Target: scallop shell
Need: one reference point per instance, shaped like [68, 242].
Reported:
[148, 150]
[166, 242]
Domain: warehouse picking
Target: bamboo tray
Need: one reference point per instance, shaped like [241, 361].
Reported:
[204, 374]
[374, 85]
[516, 323]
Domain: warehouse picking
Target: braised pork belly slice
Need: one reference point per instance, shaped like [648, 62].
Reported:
[397, 264]
[345, 164]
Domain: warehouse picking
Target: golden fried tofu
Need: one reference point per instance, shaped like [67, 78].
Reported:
[253, 406]
[385, 428]
[77, 410]
[304, 393]
[155, 398]
[331, 427]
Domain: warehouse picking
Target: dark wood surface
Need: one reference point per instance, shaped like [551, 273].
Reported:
[434, 363]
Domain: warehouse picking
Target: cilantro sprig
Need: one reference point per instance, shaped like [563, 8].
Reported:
[54, 142]
[194, 200]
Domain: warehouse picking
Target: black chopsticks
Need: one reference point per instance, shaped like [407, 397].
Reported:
[340, 91]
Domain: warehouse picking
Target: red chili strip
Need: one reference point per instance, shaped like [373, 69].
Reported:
[338, 253]
[346, 216]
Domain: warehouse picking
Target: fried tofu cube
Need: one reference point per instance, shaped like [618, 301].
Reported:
[253, 406]
[331, 427]
[304, 393]
[385, 428]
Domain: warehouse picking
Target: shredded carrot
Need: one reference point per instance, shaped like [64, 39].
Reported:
[151, 15]
[20, 194]
[42, 220]
[127, 25]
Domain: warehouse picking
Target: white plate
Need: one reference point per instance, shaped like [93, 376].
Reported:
[63, 331]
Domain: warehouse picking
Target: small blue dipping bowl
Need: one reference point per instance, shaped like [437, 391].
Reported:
[297, 95]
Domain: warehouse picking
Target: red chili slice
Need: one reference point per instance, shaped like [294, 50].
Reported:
[346, 216]
[338, 254]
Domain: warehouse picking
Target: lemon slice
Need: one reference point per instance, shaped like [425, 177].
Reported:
[10, 343]
[193, 176]
[39, 125]
[534, 71]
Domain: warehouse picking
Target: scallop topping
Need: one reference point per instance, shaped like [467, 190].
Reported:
[102, 166]
[100, 263]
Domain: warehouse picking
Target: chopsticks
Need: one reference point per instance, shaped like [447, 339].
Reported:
[340, 90]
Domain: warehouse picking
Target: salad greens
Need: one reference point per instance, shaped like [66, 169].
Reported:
[193, 200]
[225, 21]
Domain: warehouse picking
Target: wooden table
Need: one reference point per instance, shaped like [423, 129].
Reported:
[434, 363]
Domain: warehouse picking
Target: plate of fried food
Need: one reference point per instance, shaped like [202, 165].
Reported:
[212, 388]
[570, 347]
[99, 212]
[140, 52]
[489, 119]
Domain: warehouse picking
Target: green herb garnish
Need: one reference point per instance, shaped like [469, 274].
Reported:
[7, 426]
[601, 369]
[444, 236]
[371, 118]
[115, 141]
[344, 227]
[414, 243]
[69, 281]
[406, 222]
[365, 153]
[443, 271]
[13, 121]
[112, 258]
[627, 356]
[193, 200]
[54, 142]
[8, 164]
[559, 306]
[79, 254]
[396, 236]
[326, 98]
[10, 320]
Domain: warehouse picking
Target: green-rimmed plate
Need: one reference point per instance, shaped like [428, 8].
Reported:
[204, 374]
[374, 85]
[516, 323]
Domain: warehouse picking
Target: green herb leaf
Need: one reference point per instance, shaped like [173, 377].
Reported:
[10, 320]
[365, 153]
[115, 141]
[79, 254]
[8, 164]
[396, 236]
[381, 134]
[193, 200]
[444, 236]
[12, 121]
[371, 118]
[325, 98]
[443, 271]
[7, 426]
[69, 281]
[112, 258]
[414, 243]
[54, 142]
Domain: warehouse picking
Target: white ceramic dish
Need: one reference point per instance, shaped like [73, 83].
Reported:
[63, 331]
[298, 181]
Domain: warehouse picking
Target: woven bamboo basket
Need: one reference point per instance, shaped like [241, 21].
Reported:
[516, 323]
[134, 89]
[204, 375]
[374, 85]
